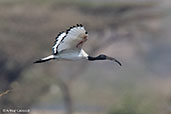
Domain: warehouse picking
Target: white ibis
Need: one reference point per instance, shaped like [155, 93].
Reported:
[68, 46]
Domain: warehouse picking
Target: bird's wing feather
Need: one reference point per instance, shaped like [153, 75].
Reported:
[74, 38]
[58, 40]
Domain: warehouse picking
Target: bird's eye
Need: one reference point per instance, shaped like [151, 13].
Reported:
[86, 32]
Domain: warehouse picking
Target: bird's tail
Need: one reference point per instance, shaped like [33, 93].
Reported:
[48, 58]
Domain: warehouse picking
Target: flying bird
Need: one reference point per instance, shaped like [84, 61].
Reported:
[68, 46]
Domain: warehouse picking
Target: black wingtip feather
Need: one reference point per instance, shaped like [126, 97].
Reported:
[59, 34]
[79, 25]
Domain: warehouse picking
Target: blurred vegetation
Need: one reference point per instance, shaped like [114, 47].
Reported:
[137, 104]
[137, 33]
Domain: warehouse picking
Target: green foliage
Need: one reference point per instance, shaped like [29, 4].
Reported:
[136, 104]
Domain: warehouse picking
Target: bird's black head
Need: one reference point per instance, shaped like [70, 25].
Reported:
[102, 57]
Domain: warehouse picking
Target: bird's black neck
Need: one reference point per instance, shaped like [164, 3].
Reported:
[90, 58]
[103, 57]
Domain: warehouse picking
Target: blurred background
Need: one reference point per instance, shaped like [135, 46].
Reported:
[136, 32]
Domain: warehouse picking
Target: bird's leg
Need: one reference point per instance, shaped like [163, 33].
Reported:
[103, 57]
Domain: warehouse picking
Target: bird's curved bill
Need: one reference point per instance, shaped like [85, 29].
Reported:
[113, 59]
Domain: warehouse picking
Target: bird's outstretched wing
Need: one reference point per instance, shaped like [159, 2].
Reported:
[73, 38]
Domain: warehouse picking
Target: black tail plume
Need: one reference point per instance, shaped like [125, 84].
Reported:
[51, 57]
[41, 61]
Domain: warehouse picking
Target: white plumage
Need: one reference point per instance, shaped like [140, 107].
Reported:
[58, 41]
[70, 39]
[68, 46]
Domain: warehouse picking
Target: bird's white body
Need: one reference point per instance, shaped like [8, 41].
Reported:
[71, 55]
